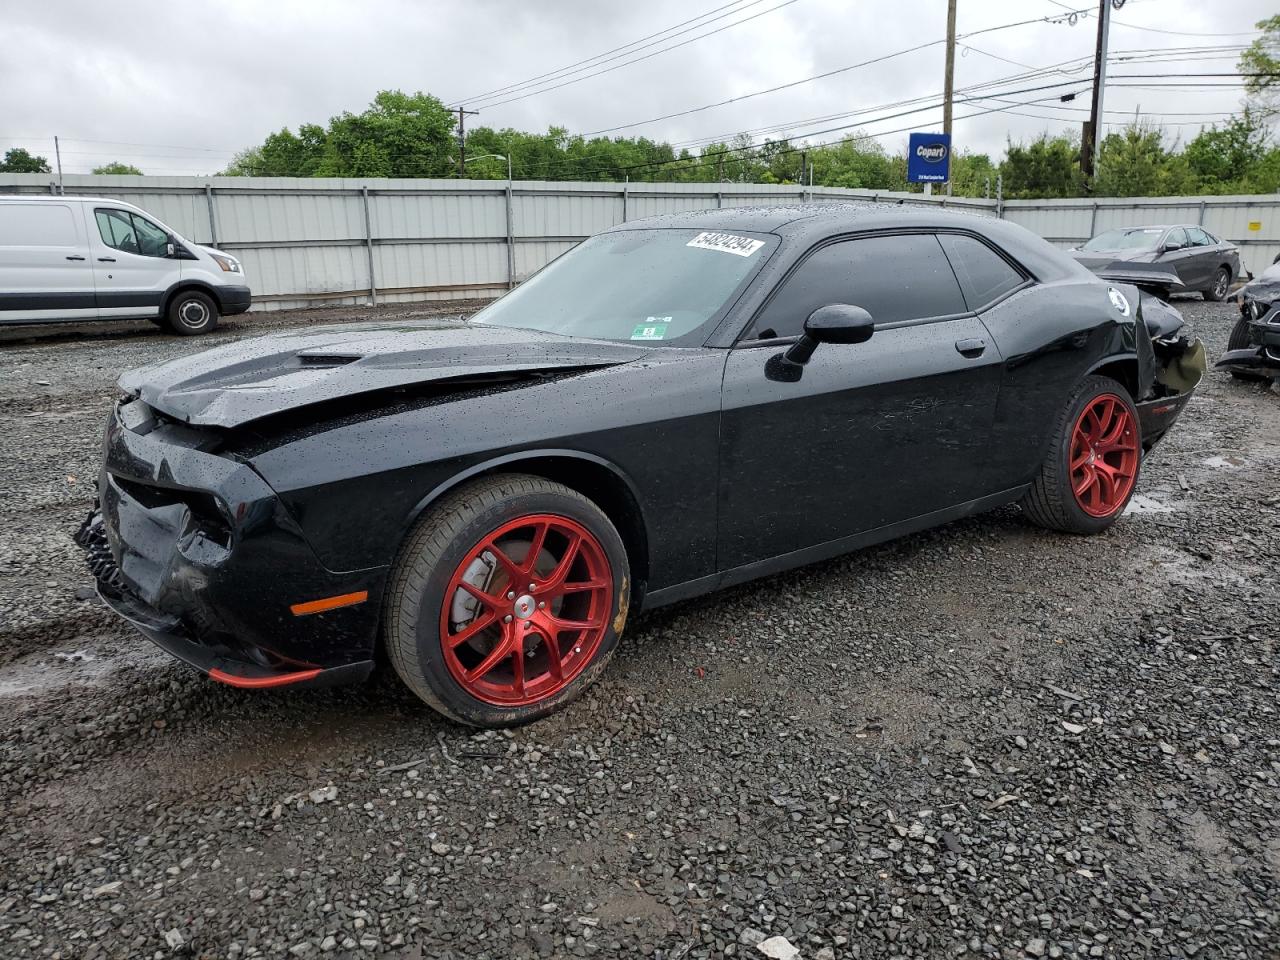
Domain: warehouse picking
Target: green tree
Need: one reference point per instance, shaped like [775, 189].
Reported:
[116, 167]
[1222, 157]
[1263, 57]
[1046, 167]
[1135, 163]
[17, 160]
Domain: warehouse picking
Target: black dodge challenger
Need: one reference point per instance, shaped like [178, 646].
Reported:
[673, 406]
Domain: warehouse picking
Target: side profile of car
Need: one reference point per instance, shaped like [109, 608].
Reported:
[1204, 262]
[84, 258]
[674, 406]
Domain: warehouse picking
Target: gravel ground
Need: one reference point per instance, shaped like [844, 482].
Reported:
[984, 740]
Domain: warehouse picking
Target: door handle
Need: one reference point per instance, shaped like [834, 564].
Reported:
[75, 258]
[106, 259]
[971, 348]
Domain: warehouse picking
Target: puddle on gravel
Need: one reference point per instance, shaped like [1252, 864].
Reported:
[1229, 462]
[1141, 503]
[50, 670]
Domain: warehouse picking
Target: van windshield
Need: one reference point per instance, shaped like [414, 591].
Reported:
[661, 286]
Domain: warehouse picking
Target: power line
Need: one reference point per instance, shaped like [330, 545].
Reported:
[614, 54]
[818, 76]
[647, 56]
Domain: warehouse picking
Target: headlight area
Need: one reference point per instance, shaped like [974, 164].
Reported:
[195, 549]
[228, 264]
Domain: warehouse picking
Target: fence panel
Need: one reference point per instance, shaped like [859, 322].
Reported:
[311, 240]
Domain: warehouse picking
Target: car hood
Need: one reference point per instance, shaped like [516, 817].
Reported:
[1265, 287]
[1099, 258]
[241, 382]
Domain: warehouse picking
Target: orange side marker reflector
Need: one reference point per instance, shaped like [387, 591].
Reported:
[257, 683]
[329, 603]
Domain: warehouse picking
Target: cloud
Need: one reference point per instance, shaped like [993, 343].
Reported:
[176, 90]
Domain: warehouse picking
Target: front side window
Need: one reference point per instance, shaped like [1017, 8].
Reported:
[984, 275]
[1176, 236]
[653, 286]
[1199, 238]
[893, 278]
[130, 233]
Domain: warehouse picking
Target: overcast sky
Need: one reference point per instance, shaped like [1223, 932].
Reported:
[178, 88]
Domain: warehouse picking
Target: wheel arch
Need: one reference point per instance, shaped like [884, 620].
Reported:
[602, 482]
[1122, 368]
[184, 285]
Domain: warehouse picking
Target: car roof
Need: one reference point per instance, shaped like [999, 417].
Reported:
[811, 218]
[55, 198]
[802, 225]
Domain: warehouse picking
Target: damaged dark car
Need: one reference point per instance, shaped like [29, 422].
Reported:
[674, 406]
[1253, 349]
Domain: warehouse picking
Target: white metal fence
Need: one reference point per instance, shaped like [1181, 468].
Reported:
[312, 241]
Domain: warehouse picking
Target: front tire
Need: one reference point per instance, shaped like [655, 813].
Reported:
[507, 601]
[1092, 468]
[1221, 284]
[191, 313]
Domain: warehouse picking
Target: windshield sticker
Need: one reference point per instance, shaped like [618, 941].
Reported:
[650, 331]
[726, 243]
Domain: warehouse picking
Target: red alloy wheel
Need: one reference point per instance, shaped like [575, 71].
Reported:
[1104, 456]
[526, 610]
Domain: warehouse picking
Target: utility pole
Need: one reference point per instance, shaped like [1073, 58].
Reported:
[462, 137]
[1091, 141]
[57, 152]
[948, 86]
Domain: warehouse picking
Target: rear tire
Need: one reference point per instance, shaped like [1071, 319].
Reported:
[469, 585]
[1221, 284]
[191, 313]
[1092, 468]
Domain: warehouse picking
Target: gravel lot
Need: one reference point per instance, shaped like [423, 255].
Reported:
[985, 740]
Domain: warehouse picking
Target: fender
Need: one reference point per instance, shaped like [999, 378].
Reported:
[524, 456]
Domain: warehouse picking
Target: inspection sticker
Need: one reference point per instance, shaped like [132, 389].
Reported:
[650, 329]
[726, 243]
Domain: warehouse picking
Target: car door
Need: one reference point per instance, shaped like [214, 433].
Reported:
[1206, 256]
[45, 273]
[132, 266]
[1176, 252]
[870, 434]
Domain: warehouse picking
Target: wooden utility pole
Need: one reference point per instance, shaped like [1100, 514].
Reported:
[1091, 139]
[948, 86]
[462, 138]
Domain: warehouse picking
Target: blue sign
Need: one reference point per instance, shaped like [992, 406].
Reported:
[929, 158]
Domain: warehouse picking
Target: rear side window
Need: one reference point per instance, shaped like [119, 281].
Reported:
[122, 230]
[37, 225]
[893, 278]
[984, 275]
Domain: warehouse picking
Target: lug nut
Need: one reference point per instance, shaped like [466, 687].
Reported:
[507, 618]
[542, 604]
[533, 586]
[511, 595]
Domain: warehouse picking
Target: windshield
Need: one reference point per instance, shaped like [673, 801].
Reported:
[658, 286]
[1144, 238]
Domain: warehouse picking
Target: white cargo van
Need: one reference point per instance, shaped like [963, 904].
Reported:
[80, 258]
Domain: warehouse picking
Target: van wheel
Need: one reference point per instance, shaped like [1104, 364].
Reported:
[192, 312]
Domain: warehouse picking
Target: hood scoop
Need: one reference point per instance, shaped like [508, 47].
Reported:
[328, 359]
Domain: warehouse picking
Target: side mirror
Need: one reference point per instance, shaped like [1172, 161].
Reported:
[836, 323]
[1171, 246]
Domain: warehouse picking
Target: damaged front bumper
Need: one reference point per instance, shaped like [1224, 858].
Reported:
[1261, 357]
[195, 550]
[1180, 366]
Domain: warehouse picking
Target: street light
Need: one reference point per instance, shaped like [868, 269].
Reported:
[511, 240]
